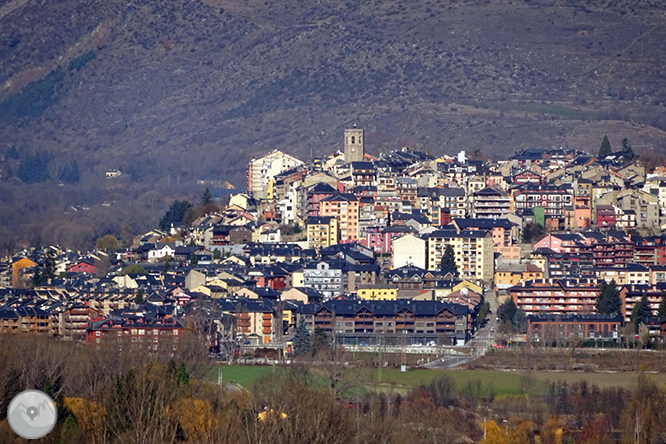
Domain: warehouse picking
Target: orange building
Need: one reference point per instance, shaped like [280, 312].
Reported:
[18, 266]
[345, 208]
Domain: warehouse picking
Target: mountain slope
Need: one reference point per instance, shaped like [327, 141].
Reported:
[197, 88]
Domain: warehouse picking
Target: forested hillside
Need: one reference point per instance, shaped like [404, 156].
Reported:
[174, 92]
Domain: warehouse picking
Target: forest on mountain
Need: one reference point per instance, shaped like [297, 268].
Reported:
[173, 93]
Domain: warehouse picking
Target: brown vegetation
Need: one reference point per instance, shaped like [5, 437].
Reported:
[182, 91]
[110, 396]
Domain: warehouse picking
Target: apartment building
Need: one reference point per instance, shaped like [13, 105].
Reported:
[263, 170]
[490, 203]
[631, 294]
[419, 321]
[328, 279]
[313, 197]
[26, 320]
[474, 252]
[563, 296]
[147, 334]
[322, 231]
[344, 207]
[553, 199]
[562, 329]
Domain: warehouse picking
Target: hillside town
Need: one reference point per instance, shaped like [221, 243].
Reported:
[399, 248]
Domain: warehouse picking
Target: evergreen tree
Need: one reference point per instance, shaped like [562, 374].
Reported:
[519, 321]
[508, 310]
[302, 340]
[217, 253]
[34, 168]
[662, 305]
[533, 232]
[71, 173]
[605, 147]
[320, 340]
[37, 278]
[182, 376]
[206, 198]
[49, 270]
[627, 151]
[448, 263]
[640, 311]
[138, 299]
[175, 214]
[194, 259]
[609, 301]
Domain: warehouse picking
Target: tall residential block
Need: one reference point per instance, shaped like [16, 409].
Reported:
[474, 252]
[322, 231]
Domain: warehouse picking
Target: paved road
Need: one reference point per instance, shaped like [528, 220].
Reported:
[477, 346]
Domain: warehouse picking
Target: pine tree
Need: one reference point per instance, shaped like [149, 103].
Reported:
[206, 198]
[609, 301]
[627, 151]
[508, 310]
[641, 310]
[520, 321]
[138, 299]
[605, 147]
[448, 263]
[175, 214]
[302, 339]
[193, 259]
[49, 266]
[217, 254]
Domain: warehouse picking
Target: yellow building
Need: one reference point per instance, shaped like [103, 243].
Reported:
[442, 291]
[374, 293]
[508, 275]
[322, 231]
[473, 249]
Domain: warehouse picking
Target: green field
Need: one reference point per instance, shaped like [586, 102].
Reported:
[244, 375]
[506, 383]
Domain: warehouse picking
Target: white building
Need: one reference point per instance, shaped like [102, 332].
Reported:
[408, 250]
[262, 171]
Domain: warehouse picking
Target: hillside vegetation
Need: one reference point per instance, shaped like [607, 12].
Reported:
[172, 92]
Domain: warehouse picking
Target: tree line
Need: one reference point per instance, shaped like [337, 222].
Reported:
[110, 395]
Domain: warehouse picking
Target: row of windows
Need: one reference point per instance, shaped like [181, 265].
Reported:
[142, 331]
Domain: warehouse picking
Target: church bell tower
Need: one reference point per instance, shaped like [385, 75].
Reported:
[354, 145]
